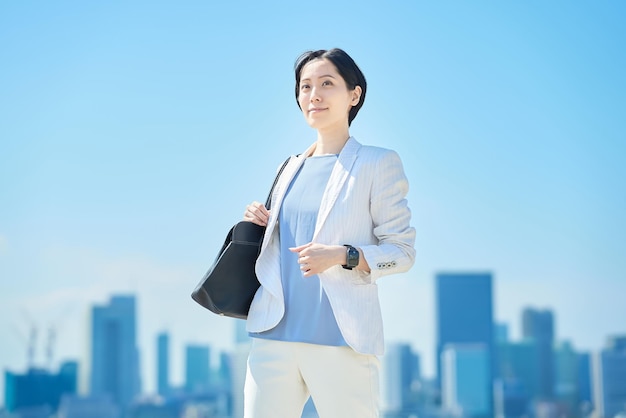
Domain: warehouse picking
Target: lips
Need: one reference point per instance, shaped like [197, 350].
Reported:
[316, 109]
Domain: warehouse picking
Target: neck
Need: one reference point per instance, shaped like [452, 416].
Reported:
[331, 142]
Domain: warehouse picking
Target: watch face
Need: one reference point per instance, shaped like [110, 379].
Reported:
[353, 257]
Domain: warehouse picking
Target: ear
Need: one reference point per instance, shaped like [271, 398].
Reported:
[356, 95]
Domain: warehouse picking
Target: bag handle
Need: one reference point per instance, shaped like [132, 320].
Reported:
[268, 202]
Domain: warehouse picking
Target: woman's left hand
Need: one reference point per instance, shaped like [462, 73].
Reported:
[316, 258]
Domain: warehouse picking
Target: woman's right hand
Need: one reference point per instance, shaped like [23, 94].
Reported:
[256, 213]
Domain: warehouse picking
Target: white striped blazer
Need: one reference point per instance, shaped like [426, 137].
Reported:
[364, 204]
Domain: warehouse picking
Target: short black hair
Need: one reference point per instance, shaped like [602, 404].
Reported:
[346, 67]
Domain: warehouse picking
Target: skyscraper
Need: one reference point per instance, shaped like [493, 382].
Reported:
[465, 316]
[609, 378]
[39, 387]
[585, 377]
[197, 368]
[163, 363]
[114, 354]
[501, 333]
[538, 326]
[466, 380]
[567, 378]
[516, 367]
[400, 368]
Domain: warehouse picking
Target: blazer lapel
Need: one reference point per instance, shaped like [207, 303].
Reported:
[338, 177]
[278, 195]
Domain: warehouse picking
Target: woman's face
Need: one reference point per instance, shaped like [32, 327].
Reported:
[324, 96]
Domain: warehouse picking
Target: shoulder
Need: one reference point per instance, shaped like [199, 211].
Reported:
[378, 155]
[375, 151]
[372, 151]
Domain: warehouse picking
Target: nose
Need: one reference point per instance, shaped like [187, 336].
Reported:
[315, 97]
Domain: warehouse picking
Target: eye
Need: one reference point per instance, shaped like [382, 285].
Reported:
[327, 83]
[304, 86]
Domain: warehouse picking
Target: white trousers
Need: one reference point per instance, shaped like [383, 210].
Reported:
[282, 375]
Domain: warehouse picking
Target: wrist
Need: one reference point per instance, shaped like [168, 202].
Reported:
[341, 257]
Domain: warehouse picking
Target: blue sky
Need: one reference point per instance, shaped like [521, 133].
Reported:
[132, 135]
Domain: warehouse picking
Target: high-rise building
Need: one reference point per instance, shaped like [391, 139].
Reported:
[466, 380]
[241, 335]
[538, 325]
[114, 354]
[400, 369]
[223, 373]
[609, 378]
[516, 366]
[585, 379]
[510, 399]
[501, 333]
[39, 388]
[567, 388]
[465, 316]
[197, 368]
[163, 364]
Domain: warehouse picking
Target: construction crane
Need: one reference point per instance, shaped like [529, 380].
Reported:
[52, 333]
[31, 339]
[31, 343]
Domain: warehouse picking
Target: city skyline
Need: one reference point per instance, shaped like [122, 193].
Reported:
[177, 379]
[465, 354]
[133, 135]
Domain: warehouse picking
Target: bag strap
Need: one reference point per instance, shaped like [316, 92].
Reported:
[268, 202]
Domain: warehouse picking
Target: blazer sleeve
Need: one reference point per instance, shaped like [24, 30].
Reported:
[391, 217]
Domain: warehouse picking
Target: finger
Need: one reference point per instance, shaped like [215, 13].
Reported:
[256, 213]
[258, 222]
[259, 208]
[251, 217]
[306, 270]
[300, 248]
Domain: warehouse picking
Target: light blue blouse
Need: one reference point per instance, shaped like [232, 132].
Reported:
[308, 316]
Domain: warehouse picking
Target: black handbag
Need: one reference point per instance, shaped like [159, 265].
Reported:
[228, 287]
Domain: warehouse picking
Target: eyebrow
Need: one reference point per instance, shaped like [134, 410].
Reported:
[322, 76]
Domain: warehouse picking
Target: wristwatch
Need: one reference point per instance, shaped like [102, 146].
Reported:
[352, 257]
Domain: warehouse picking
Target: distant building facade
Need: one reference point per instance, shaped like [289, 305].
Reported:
[114, 353]
[516, 371]
[399, 372]
[609, 379]
[163, 364]
[466, 380]
[465, 316]
[571, 383]
[538, 326]
[197, 369]
[39, 388]
[585, 381]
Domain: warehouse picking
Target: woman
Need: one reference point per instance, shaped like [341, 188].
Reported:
[339, 221]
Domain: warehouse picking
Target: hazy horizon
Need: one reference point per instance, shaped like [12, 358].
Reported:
[133, 135]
